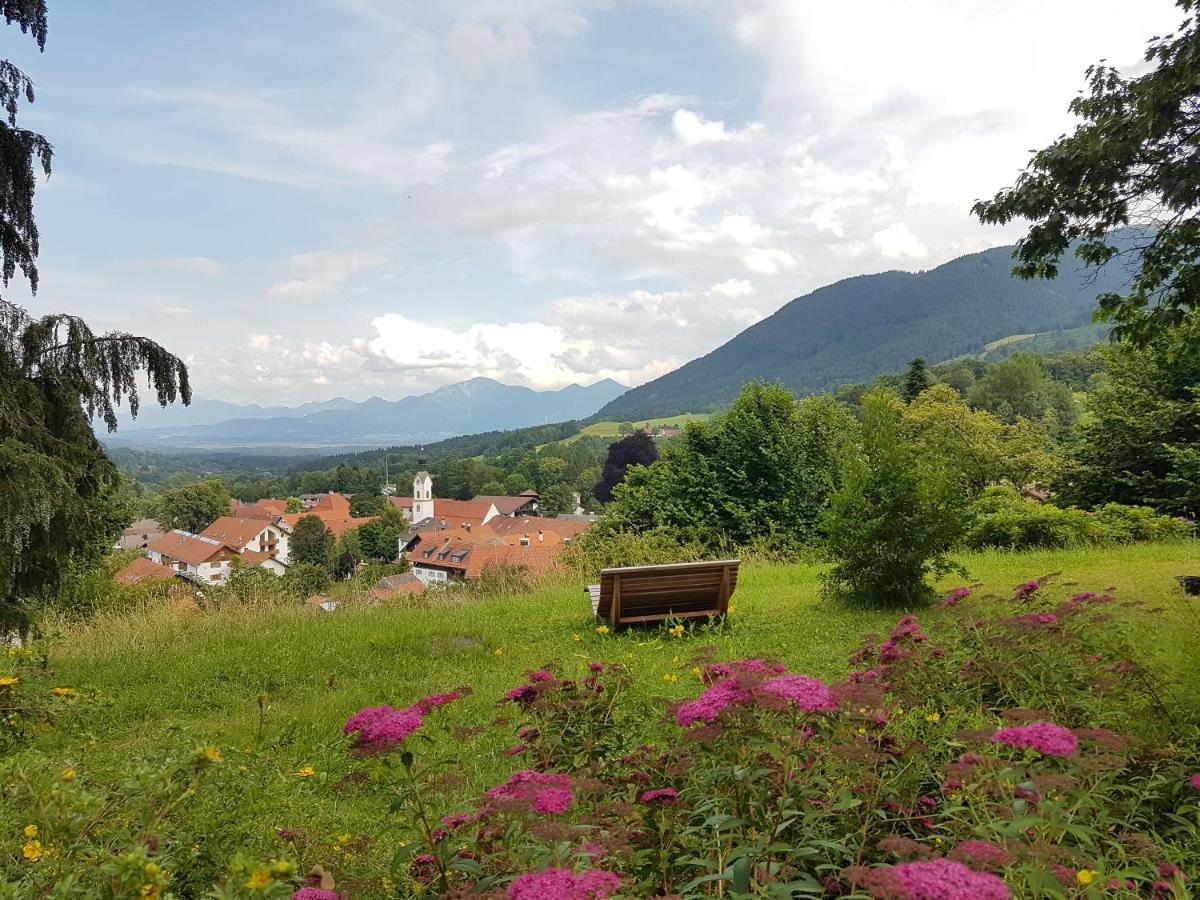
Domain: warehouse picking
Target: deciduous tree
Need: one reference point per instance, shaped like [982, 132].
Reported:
[194, 507]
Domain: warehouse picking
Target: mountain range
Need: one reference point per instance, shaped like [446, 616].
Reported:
[477, 405]
[857, 329]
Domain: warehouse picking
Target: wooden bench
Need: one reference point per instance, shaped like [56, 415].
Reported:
[638, 595]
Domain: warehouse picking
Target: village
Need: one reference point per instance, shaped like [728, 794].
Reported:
[446, 542]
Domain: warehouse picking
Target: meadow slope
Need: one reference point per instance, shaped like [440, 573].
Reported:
[271, 687]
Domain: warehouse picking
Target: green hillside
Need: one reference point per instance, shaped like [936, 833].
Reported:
[863, 327]
[264, 690]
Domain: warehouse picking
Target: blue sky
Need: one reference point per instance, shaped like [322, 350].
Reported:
[353, 197]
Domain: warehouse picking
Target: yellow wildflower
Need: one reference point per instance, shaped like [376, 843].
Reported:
[933, 717]
[697, 671]
[150, 892]
[675, 631]
[63, 692]
[32, 851]
[30, 831]
[862, 731]
[675, 660]
[9, 680]
[731, 607]
[68, 775]
[283, 867]
[1085, 877]
[306, 772]
[499, 651]
[212, 754]
[670, 678]
[577, 638]
[260, 880]
[343, 838]
[602, 629]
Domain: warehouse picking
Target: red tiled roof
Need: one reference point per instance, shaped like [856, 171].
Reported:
[143, 569]
[397, 585]
[401, 502]
[506, 506]
[461, 509]
[192, 549]
[235, 532]
[334, 503]
[532, 524]
[476, 558]
[335, 521]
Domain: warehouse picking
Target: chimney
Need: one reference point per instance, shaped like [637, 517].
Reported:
[541, 536]
[524, 540]
[468, 527]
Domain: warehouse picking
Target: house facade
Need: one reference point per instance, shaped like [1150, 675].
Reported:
[193, 556]
[258, 541]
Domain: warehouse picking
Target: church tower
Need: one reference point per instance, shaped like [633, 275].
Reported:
[422, 491]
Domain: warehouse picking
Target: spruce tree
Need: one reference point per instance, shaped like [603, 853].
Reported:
[60, 510]
[917, 380]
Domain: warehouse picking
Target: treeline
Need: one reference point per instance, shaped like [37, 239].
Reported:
[886, 480]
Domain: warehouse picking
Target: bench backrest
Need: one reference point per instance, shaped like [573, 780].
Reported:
[654, 593]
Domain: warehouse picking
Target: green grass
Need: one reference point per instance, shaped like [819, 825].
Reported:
[612, 429]
[174, 679]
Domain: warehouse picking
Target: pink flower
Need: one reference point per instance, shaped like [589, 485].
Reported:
[529, 791]
[429, 704]
[552, 801]
[711, 703]
[523, 694]
[563, 884]
[1083, 597]
[1027, 590]
[596, 667]
[807, 694]
[935, 879]
[956, 596]
[1044, 737]
[1194, 782]
[541, 675]
[661, 795]
[312, 893]
[383, 725]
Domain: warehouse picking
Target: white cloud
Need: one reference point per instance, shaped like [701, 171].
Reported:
[258, 342]
[692, 128]
[323, 272]
[734, 287]
[176, 311]
[898, 242]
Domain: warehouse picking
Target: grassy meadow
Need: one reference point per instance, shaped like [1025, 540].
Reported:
[613, 429]
[271, 686]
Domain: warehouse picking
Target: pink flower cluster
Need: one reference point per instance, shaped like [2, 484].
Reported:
[524, 694]
[660, 796]
[563, 884]
[1046, 738]
[1027, 590]
[312, 893]
[956, 596]
[381, 727]
[806, 694]
[712, 703]
[537, 792]
[933, 879]
[1194, 781]
[743, 684]
[907, 629]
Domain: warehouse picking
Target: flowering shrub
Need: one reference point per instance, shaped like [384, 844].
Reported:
[977, 752]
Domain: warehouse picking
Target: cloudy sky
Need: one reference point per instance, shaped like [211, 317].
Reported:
[311, 198]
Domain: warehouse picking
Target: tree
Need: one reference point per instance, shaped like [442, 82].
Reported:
[379, 540]
[294, 505]
[557, 500]
[976, 447]
[916, 380]
[312, 542]
[59, 512]
[760, 473]
[894, 517]
[193, 508]
[638, 449]
[1019, 386]
[1130, 162]
[363, 505]
[1140, 444]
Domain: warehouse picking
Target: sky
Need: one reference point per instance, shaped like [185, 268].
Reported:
[316, 198]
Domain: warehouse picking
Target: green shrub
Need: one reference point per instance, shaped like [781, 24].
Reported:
[1001, 518]
[893, 519]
